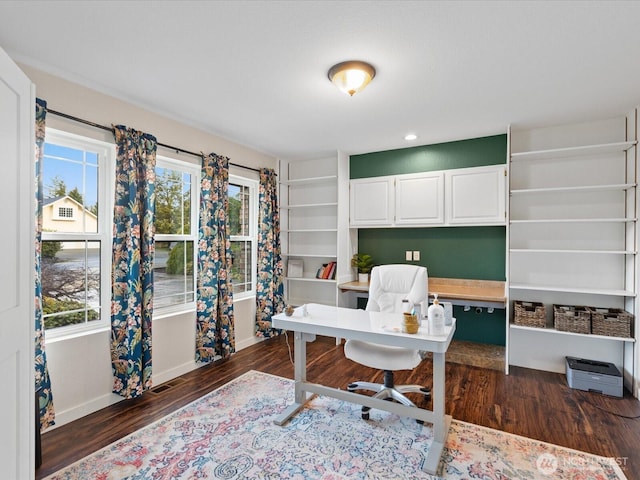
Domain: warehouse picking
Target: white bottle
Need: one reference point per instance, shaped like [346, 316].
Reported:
[435, 314]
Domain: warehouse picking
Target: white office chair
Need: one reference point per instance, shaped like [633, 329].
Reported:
[390, 284]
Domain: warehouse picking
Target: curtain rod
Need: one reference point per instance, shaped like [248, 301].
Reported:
[109, 129]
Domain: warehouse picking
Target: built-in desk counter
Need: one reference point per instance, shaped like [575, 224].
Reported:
[473, 293]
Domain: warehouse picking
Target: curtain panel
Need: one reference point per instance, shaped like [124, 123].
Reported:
[269, 284]
[215, 331]
[133, 256]
[42, 381]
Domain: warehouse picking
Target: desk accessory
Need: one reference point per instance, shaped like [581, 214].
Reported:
[435, 314]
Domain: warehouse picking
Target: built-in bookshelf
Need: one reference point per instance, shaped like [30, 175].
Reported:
[309, 229]
[573, 214]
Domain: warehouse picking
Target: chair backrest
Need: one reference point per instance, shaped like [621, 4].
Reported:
[390, 284]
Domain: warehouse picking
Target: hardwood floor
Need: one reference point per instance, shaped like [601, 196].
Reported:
[527, 402]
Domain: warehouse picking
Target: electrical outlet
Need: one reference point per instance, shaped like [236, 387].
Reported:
[407, 256]
[416, 255]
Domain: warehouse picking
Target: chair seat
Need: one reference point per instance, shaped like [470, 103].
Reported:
[381, 357]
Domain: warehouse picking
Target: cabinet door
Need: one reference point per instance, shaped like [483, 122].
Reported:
[420, 199]
[371, 202]
[476, 195]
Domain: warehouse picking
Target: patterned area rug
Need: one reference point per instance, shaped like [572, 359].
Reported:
[229, 434]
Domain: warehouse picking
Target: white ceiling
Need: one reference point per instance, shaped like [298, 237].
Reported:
[255, 71]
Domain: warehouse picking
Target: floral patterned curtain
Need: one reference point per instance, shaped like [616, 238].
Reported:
[215, 333]
[269, 286]
[133, 255]
[43, 383]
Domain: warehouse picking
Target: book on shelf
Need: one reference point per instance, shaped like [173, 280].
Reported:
[294, 268]
[327, 271]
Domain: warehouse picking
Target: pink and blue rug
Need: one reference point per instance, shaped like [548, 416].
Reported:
[229, 434]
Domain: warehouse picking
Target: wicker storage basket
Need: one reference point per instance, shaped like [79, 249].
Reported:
[568, 318]
[529, 314]
[612, 322]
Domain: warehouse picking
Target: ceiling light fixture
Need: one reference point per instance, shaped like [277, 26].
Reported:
[352, 76]
[410, 136]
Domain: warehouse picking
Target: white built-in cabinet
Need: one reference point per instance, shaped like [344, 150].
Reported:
[310, 204]
[476, 195]
[419, 199]
[572, 233]
[372, 201]
[464, 196]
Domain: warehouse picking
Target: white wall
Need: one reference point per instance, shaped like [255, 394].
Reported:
[80, 366]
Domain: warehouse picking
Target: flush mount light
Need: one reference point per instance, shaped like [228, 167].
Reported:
[351, 76]
[410, 136]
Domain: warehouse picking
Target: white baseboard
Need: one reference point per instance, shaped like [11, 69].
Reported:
[248, 342]
[79, 411]
[174, 372]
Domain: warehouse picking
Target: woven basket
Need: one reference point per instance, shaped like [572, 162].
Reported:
[529, 314]
[568, 318]
[613, 322]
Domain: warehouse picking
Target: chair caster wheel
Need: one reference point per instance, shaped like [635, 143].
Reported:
[365, 413]
[352, 387]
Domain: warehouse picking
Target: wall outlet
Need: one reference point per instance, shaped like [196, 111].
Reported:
[416, 255]
[407, 256]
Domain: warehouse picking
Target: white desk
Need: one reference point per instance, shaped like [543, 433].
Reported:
[373, 327]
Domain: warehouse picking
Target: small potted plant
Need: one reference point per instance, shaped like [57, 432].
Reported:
[363, 264]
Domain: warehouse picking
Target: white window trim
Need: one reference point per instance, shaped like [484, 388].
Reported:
[253, 228]
[195, 171]
[106, 175]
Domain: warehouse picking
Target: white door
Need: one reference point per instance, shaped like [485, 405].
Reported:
[420, 199]
[371, 202]
[17, 117]
[476, 195]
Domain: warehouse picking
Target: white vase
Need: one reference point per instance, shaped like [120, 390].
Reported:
[363, 277]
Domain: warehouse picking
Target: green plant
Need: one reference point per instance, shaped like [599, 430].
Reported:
[363, 262]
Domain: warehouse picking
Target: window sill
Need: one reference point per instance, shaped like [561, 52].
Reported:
[63, 336]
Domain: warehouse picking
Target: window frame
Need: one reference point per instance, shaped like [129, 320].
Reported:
[194, 170]
[252, 185]
[106, 176]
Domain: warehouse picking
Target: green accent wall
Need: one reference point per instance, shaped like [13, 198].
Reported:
[474, 152]
[476, 253]
[453, 252]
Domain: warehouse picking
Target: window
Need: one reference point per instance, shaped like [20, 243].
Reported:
[76, 232]
[65, 212]
[243, 206]
[177, 190]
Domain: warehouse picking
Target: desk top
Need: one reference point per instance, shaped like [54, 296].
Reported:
[375, 327]
[451, 288]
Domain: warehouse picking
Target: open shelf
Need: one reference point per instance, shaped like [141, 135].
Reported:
[575, 220]
[560, 332]
[585, 150]
[304, 181]
[308, 279]
[562, 251]
[309, 205]
[588, 291]
[585, 188]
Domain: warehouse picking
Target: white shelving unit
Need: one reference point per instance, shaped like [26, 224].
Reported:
[573, 236]
[309, 227]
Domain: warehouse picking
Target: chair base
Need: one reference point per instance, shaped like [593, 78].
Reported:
[388, 391]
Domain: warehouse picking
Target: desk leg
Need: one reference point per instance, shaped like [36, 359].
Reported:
[441, 421]
[300, 376]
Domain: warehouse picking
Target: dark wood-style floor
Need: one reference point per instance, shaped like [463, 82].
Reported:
[527, 402]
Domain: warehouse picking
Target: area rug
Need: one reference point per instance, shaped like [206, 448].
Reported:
[229, 434]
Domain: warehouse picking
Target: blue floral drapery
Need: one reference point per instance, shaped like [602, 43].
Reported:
[133, 255]
[269, 284]
[42, 383]
[215, 332]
